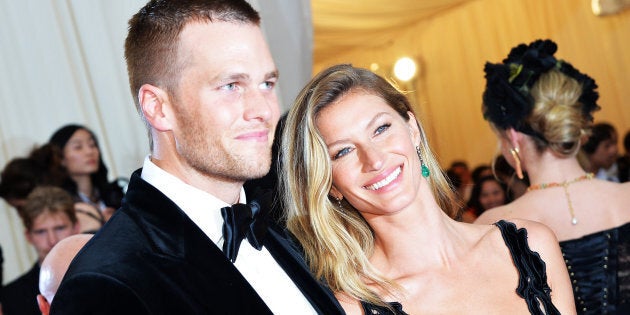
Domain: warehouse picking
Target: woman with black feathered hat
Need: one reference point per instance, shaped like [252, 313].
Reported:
[541, 109]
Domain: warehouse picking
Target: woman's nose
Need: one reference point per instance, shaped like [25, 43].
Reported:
[371, 158]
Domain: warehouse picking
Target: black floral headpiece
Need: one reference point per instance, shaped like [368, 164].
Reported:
[507, 101]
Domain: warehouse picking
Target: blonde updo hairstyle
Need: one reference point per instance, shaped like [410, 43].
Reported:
[557, 113]
[336, 239]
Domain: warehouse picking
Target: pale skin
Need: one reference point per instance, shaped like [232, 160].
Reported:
[54, 267]
[598, 205]
[87, 223]
[444, 266]
[215, 131]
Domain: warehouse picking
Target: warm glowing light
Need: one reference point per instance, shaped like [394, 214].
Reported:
[596, 7]
[404, 69]
[607, 7]
[374, 66]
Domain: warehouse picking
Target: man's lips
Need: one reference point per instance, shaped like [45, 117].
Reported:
[262, 136]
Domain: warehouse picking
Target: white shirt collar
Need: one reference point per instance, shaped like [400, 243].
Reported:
[201, 207]
[259, 268]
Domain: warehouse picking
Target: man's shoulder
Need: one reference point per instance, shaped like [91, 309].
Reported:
[17, 290]
[26, 279]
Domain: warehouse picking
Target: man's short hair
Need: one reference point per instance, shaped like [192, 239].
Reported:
[49, 199]
[153, 37]
[599, 133]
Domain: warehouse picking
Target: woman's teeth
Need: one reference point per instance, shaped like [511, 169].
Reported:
[385, 181]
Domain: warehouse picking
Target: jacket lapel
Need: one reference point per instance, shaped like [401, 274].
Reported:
[289, 257]
[206, 271]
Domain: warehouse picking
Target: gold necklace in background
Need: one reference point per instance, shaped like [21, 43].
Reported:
[565, 185]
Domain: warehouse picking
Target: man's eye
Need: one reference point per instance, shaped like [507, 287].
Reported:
[268, 85]
[229, 86]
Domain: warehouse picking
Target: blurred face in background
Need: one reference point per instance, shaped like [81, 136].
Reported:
[492, 195]
[47, 230]
[605, 154]
[80, 154]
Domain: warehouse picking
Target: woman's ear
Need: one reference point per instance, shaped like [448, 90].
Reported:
[412, 123]
[155, 106]
[335, 193]
[514, 137]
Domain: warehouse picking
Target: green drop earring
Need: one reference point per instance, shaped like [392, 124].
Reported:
[423, 167]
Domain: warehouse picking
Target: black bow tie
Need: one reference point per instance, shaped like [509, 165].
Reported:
[240, 221]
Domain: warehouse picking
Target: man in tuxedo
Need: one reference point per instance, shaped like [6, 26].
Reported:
[203, 78]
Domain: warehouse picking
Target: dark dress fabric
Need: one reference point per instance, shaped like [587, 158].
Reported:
[532, 285]
[150, 258]
[20, 296]
[371, 309]
[599, 267]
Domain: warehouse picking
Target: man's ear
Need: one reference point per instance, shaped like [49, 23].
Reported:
[156, 107]
[43, 304]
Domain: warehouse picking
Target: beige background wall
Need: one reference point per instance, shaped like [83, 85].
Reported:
[453, 45]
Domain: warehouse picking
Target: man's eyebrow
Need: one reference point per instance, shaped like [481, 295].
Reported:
[272, 75]
[237, 77]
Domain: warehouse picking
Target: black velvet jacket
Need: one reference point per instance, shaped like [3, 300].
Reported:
[150, 258]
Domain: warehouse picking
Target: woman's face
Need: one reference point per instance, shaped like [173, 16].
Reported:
[80, 154]
[492, 195]
[375, 166]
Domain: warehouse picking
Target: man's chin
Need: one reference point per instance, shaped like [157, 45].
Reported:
[249, 171]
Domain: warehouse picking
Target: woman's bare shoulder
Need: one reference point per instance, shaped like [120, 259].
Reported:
[495, 214]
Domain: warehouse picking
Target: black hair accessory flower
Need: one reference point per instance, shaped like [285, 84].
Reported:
[507, 102]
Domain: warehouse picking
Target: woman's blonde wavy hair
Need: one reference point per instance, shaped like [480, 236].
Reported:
[337, 241]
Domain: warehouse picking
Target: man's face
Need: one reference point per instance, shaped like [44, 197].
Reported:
[605, 154]
[225, 104]
[47, 230]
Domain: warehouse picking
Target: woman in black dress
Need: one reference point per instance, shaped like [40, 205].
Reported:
[541, 108]
[374, 213]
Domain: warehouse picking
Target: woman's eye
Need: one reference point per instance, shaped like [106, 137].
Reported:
[382, 128]
[341, 153]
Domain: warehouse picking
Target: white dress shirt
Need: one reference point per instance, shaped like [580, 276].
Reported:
[259, 268]
[610, 174]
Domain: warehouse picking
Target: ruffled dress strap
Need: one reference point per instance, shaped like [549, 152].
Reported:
[371, 309]
[532, 286]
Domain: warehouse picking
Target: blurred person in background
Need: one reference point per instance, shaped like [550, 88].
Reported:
[48, 217]
[601, 152]
[541, 109]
